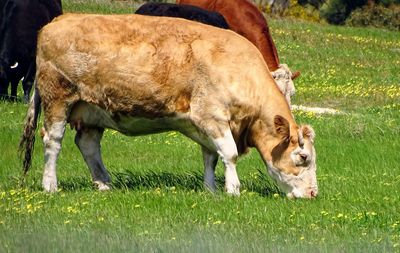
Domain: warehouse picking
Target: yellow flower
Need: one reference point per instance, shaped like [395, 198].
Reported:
[217, 222]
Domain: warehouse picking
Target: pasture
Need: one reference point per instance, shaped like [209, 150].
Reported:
[158, 203]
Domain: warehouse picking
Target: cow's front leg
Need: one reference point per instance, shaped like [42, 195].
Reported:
[227, 150]
[210, 160]
[88, 142]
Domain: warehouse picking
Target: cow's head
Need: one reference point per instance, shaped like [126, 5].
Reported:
[284, 79]
[293, 164]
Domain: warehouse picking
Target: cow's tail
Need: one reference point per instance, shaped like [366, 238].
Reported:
[27, 142]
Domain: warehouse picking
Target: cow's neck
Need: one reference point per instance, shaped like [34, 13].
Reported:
[262, 134]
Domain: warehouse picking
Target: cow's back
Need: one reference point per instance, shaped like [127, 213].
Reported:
[156, 59]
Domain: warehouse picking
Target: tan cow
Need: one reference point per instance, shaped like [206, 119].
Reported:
[140, 75]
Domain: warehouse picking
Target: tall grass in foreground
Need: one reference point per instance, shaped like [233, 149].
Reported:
[158, 203]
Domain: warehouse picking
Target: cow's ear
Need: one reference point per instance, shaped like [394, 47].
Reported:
[308, 132]
[295, 75]
[282, 127]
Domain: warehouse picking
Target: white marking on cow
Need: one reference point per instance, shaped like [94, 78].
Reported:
[303, 185]
[283, 79]
[226, 149]
[52, 146]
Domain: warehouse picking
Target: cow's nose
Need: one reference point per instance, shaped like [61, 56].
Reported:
[303, 156]
[313, 192]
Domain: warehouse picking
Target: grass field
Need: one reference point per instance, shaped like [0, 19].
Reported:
[158, 203]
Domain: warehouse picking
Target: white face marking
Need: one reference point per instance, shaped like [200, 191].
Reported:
[303, 185]
[283, 78]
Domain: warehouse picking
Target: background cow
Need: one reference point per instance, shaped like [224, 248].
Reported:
[140, 75]
[244, 18]
[20, 22]
[183, 11]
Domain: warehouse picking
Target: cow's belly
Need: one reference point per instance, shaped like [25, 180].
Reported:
[87, 115]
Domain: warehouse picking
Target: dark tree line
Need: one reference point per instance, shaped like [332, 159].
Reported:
[337, 11]
[334, 11]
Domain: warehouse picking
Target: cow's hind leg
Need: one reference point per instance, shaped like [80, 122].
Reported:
[56, 96]
[53, 134]
[210, 160]
[88, 142]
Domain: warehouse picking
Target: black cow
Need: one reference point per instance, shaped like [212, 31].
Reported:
[183, 11]
[20, 21]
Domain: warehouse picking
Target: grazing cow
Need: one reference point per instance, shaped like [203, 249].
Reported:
[244, 18]
[183, 11]
[20, 22]
[139, 75]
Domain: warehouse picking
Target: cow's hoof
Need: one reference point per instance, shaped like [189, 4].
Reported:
[101, 186]
[49, 185]
[210, 187]
[233, 190]
[25, 99]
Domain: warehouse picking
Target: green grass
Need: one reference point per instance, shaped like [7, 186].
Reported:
[158, 203]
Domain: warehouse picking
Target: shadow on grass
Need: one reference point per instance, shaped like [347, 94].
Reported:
[129, 180]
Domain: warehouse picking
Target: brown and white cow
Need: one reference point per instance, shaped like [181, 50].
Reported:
[245, 18]
[140, 75]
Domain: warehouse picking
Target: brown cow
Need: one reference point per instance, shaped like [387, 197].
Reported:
[140, 75]
[244, 18]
